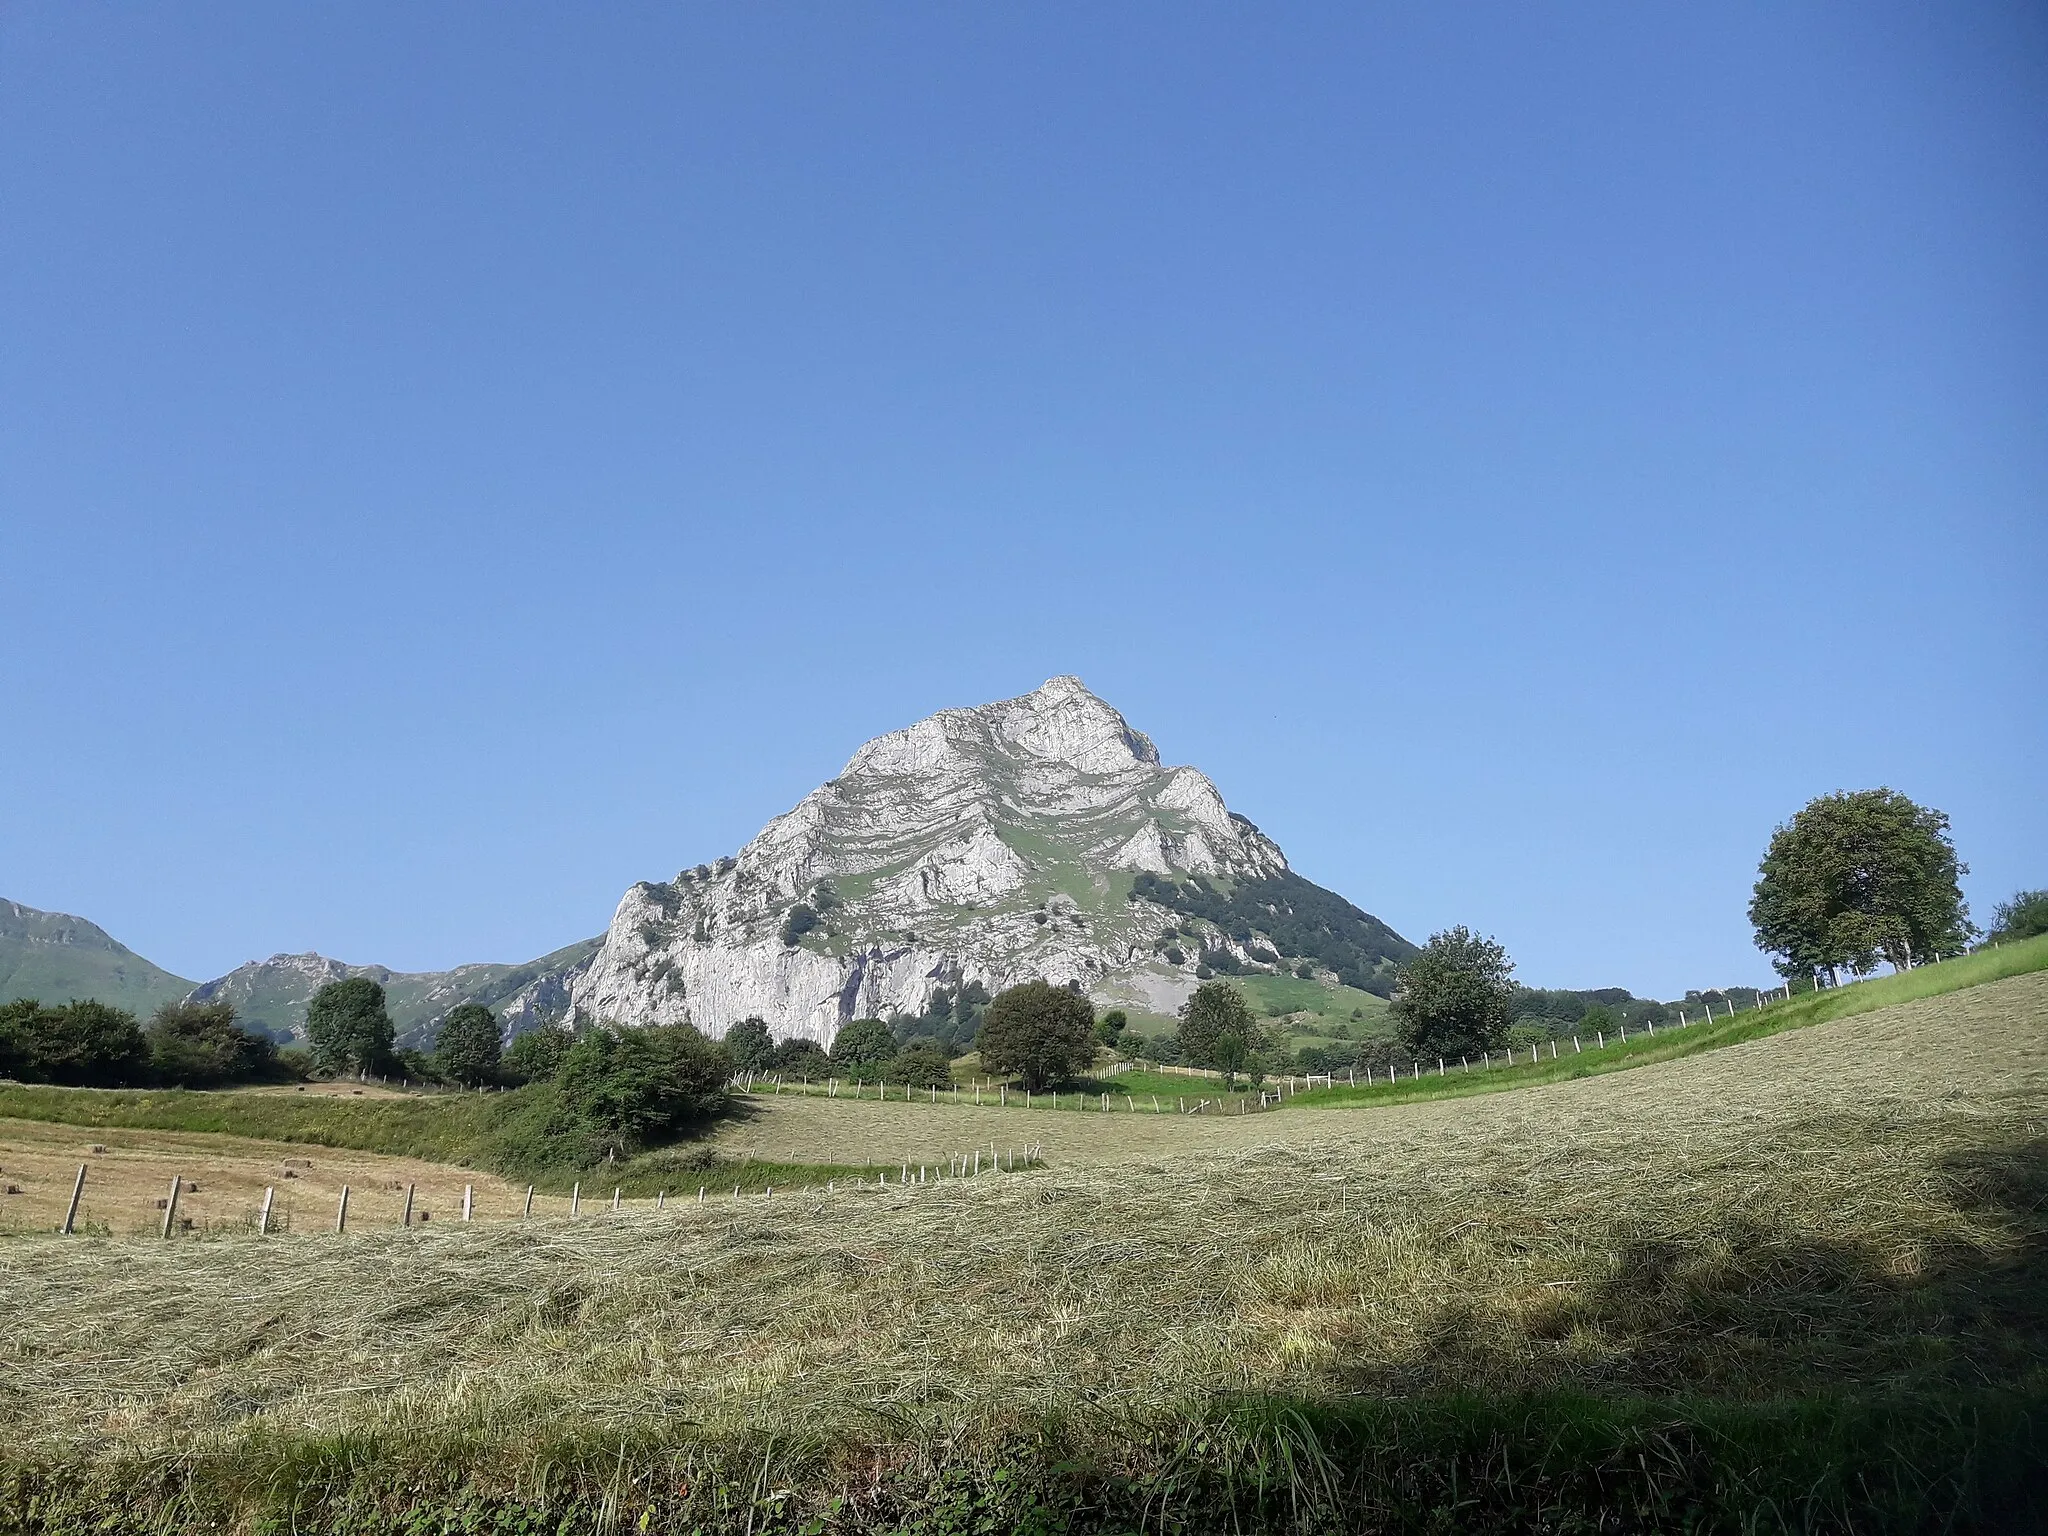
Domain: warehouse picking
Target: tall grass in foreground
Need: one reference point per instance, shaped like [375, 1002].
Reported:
[1801, 1288]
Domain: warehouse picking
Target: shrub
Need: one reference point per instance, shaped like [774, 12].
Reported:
[1109, 1029]
[348, 1027]
[1175, 955]
[83, 1044]
[861, 1048]
[1038, 1032]
[750, 1045]
[920, 1066]
[537, 1055]
[633, 1088]
[468, 1047]
[801, 1058]
[199, 1045]
[801, 920]
[2021, 917]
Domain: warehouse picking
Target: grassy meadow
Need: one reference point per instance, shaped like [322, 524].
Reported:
[1797, 1283]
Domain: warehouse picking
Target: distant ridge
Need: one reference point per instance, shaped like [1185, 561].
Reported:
[57, 957]
[272, 994]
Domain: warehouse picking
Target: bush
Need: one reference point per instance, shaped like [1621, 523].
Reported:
[1038, 1032]
[920, 1066]
[862, 1048]
[348, 1028]
[1175, 955]
[1109, 1029]
[83, 1044]
[1164, 1049]
[537, 1055]
[801, 1058]
[801, 920]
[750, 1045]
[199, 1045]
[2021, 917]
[633, 1088]
[468, 1047]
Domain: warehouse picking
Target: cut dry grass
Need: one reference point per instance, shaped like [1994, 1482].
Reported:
[1857, 1207]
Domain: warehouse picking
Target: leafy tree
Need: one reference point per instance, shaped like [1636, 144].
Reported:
[469, 1047]
[1039, 1032]
[631, 1088]
[1231, 1054]
[2022, 917]
[801, 920]
[1164, 1049]
[1597, 1019]
[537, 1055]
[861, 1048]
[348, 1026]
[1109, 1029]
[1453, 998]
[750, 1045]
[1217, 1009]
[802, 1058]
[920, 1066]
[1855, 877]
[82, 1044]
[199, 1045]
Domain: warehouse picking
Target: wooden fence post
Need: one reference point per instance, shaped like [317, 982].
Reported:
[341, 1211]
[405, 1218]
[575, 1197]
[71, 1211]
[468, 1199]
[171, 1206]
[263, 1216]
[529, 1204]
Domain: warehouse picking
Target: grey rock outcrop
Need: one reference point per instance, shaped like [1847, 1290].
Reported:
[993, 844]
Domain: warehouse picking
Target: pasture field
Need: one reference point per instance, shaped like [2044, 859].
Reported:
[1799, 1283]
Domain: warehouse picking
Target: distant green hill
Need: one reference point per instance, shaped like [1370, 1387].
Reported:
[271, 995]
[57, 957]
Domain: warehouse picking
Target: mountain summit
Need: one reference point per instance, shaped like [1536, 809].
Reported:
[1039, 836]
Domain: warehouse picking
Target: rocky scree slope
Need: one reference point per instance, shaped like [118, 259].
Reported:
[995, 844]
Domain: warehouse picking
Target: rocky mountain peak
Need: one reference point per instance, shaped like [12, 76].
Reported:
[995, 843]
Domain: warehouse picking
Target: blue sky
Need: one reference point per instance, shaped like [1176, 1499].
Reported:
[456, 461]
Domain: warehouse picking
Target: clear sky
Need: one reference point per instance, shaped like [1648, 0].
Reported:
[458, 460]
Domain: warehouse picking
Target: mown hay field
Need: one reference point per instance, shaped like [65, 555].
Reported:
[1854, 1212]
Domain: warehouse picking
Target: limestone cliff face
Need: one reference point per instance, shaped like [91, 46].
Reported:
[994, 844]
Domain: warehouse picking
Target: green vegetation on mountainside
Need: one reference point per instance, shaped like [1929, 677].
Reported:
[55, 958]
[1298, 918]
[272, 996]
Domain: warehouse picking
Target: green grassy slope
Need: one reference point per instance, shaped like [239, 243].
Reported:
[1643, 1049]
[56, 957]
